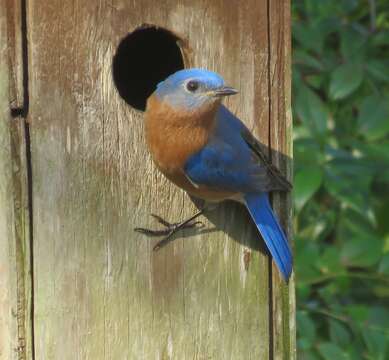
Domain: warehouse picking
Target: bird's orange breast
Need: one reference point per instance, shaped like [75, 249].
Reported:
[173, 135]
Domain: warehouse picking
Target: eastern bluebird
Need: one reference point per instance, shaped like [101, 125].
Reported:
[207, 151]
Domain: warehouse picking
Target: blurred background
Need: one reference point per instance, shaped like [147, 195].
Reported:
[341, 149]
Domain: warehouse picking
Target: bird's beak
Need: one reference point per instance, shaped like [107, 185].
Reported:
[225, 91]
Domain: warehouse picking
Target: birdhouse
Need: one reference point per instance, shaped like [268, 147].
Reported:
[76, 281]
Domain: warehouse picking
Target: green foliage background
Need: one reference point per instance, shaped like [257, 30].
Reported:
[341, 150]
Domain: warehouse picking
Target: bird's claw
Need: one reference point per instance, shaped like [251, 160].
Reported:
[161, 220]
[170, 229]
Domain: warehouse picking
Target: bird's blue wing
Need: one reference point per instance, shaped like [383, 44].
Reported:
[223, 166]
[227, 162]
[233, 131]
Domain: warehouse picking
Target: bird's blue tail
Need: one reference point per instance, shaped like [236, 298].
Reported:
[271, 231]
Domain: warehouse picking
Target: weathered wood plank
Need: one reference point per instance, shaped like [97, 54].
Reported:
[284, 327]
[15, 280]
[8, 293]
[100, 292]
[14, 53]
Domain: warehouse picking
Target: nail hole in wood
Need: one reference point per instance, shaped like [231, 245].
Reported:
[143, 58]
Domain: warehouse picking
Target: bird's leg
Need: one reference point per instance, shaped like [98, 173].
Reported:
[170, 228]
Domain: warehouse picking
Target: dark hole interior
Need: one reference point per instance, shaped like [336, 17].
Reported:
[143, 59]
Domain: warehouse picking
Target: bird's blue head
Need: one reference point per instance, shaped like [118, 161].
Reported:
[192, 88]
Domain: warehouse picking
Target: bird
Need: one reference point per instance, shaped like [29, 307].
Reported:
[200, 146]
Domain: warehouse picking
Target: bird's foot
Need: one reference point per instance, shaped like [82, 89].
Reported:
[169, 229]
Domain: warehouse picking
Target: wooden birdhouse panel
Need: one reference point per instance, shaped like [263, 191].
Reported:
[98, 290]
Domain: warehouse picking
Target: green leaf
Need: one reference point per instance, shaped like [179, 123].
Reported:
[314, 81]
[306, 182]
[352, 223]
[381, 291]
[307, 152]
[312, 111]
[345, 79]
[352, 44]
[331, 351]
[381, 38]
[341, 182]
[375, 151]
[363, 250]
[306, 354]
[359, 313]
[329, 262]
[306, 258]
[386, 243]
[355, 351]
[306, 328]
[348, 5]
[378, 69]
[302, 57]
[339, 333]
[373, 117]
[379, 317]
[383, 268]
[309, 35]
[376, 342]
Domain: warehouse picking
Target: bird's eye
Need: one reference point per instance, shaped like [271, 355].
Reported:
[192, 85]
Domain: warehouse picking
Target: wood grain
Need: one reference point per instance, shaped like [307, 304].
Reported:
[283, 304]
[8, 293]
[15, 279]
[14, 52]
[99, 290]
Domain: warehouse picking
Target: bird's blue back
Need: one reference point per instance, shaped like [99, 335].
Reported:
[226, 161]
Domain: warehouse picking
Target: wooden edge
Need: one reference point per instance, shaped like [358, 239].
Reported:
[284, 325]
[15, 319]
[15, 53]
[8, 297]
